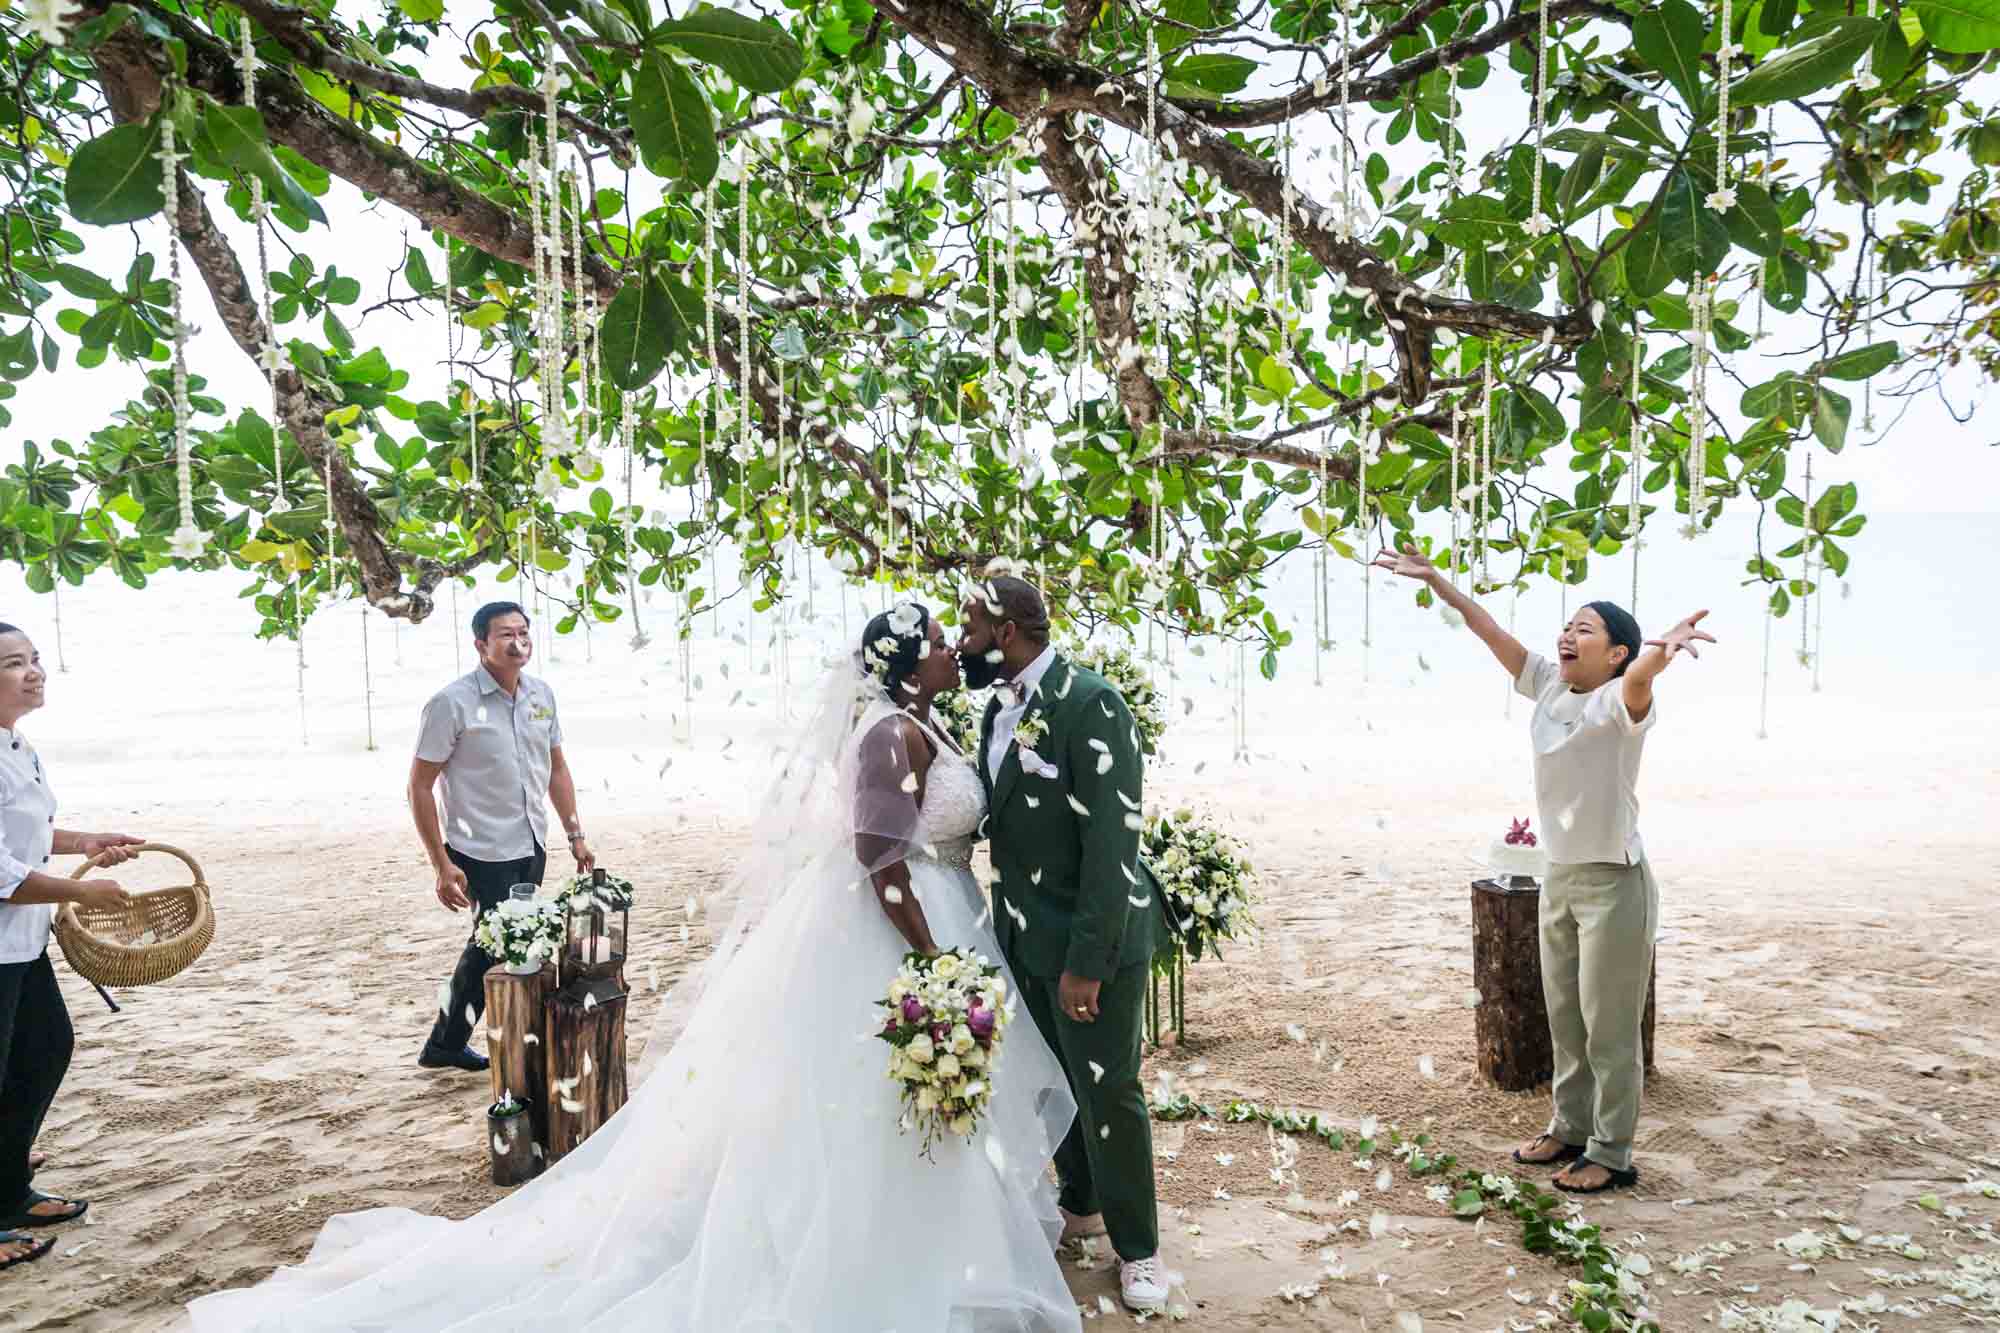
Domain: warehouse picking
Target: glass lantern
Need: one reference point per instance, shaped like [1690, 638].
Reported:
[597, 927]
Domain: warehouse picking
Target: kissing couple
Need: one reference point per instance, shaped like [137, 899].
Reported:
[759, 1177]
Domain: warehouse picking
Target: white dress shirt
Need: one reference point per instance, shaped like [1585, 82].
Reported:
[1587, 750]
[27, 834]
[496, 756]
[1029, 680]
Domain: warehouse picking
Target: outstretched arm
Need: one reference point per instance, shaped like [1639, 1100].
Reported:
[1640, 675]
[1506, 649]
[892, 879]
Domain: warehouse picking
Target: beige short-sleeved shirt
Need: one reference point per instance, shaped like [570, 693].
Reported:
[496, 756]
[1587, 751]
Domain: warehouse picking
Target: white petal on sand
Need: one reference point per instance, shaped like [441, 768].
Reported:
[1378, 1225]
[1427, 1066]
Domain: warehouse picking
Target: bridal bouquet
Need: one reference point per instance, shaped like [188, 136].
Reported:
[944, 1018]
[1208, 880]
[961, 713]
[522, 933]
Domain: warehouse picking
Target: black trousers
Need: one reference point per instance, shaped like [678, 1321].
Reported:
[486, 883]
[35, 1045]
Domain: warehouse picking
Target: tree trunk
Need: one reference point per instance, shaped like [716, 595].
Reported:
[585, 1061]
[515, 1013]
[1511, 1023]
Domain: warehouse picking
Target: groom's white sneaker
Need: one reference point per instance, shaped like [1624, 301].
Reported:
[1079, 1226]
[1142, 1285]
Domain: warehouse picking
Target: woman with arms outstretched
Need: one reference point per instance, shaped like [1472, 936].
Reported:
[1600, 905]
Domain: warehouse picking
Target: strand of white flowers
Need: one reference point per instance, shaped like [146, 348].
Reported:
[790, 524]
[1363, 524]
[1319, 564]
[1871, 275]
[628, 435]
[588, 423]
[1148, 292]
[1698, 411]
[1724, 198]
[1864, 76]
[367, 676]
[1805, 657]
[1346, 139]
[744, 445]
[1282, 297]
[1763, 265]
[1016, 435]
[1819, 625]
[188, 540]
[538, 189]
[1538, 222]
[1632, 512]
[1454, 149]
[272, 356]
[1764, 682]
[553, 367]
[1457, 500]
[1484, 469]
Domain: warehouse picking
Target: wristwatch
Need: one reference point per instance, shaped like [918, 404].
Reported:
[575, 836]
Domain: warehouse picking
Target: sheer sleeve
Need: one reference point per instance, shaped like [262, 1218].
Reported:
[887, 817]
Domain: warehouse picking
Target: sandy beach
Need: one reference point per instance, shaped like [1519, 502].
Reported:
[1827, 1032]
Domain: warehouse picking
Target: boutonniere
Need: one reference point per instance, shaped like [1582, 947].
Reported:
[1029, 732]
[541, 713]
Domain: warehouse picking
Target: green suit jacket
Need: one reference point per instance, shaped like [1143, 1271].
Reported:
[1073, 894]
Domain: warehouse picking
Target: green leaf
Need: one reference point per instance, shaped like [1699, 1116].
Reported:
[671, 120]
[1468, 1203]
[1477, 220]
[240, 139]
[637, 333]
[1808, 67]
[761, 56]
[421, 11]
[116, 177]
[1787, 397]
[1214, 73]
[485, 315]
[1860, 363]
[1668, 37]
[1754, 223]
[1696, 240]
[1829, 418]
[1960, 26]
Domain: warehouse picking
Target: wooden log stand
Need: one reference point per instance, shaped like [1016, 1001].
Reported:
[1511, 1022]
[585, 1059]
[517, 1037]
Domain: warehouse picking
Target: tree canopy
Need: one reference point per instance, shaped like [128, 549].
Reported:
[1132, 293]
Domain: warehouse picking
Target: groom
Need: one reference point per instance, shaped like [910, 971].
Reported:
[1077, 913]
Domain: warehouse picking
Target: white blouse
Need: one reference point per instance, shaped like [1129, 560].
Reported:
[1587, 750]
[27, 835]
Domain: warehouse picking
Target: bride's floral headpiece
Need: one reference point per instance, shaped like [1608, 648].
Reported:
[892, 645]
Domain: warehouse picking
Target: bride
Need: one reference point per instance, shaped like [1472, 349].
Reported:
[758, 1179]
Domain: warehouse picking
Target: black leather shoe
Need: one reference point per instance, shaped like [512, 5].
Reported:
[467, 1059]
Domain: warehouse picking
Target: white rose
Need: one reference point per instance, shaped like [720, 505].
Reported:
[927, 1100]
[947, 1066]
[961, 1040]
[920, 1049]
[897, 990]
[973, 1059]
[945, 966]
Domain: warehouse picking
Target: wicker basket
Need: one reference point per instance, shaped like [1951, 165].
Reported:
[152, 938]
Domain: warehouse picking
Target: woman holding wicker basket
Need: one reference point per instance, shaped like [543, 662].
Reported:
[35, 1036]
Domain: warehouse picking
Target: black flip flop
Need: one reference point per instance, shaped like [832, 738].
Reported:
[1619, 1179]
[1570, 1153]
[27, 1218]
[37, 1247]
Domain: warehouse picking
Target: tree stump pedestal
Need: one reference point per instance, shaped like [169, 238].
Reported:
[1511, 1021]
[516, 1038]
[584, 1058]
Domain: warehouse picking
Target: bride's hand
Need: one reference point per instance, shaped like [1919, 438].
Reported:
[1410, 563]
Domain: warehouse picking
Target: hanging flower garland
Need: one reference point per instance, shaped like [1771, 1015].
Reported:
[1484, 469]
[271, 357]
[1538, 223]
[745, 446]
[188, 540]
[1635, 463]
[1723, 198]
[1763, 265]
[1346, 136]
[1699, 298]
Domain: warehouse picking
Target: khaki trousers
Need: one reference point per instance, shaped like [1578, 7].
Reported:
[1598, 921]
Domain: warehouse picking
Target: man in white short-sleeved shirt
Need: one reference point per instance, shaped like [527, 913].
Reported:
[491, 743]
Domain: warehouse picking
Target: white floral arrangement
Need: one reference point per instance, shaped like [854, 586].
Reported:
[944, 1019]
[520, 932]
[1209, 882]
[613, 895]
[1130, 677]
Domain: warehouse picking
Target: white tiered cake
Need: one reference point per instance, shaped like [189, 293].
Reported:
[1517, 854]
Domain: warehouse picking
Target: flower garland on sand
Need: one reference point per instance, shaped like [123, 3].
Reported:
[944, 1019]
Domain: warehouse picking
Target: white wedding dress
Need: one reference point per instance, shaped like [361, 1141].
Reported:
[758, 1179]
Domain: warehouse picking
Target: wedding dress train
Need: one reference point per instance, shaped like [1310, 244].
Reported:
[758, 1179]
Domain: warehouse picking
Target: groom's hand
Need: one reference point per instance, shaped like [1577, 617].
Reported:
[451, 887]
[1078, 998]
